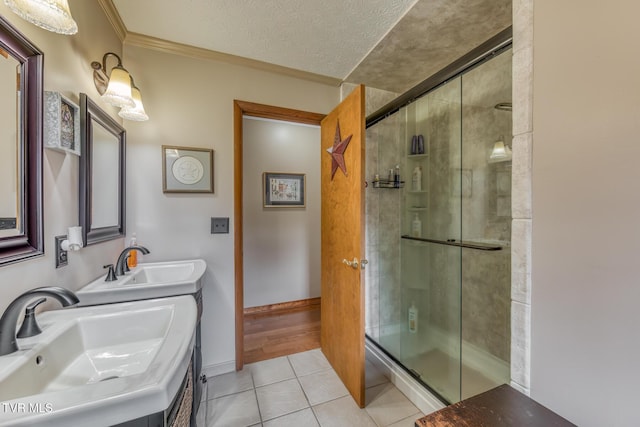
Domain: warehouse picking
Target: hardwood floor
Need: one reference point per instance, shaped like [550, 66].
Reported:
[281, 332]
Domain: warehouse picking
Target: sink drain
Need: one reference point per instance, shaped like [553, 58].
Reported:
[113, 377]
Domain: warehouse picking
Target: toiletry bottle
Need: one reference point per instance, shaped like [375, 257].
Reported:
[390, 175]
[396, 177]
[413, 318]
[132, 261]
[416, 227]
[416, 179]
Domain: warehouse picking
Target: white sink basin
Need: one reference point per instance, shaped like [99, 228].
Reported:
[148, 280]
[99, 365]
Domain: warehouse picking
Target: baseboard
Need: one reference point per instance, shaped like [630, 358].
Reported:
[282, 306]
[219, 368]
[413, 390]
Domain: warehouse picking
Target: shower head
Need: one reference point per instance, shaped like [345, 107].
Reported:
[504, 106]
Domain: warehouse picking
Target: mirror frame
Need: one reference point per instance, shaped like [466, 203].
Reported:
[30, 243]
[90, 114]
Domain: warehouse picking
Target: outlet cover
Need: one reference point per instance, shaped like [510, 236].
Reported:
[219, 225]
[61, 255]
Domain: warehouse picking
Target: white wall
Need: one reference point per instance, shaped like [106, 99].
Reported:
[586, 206]
[281, 245]
[67, 70]
[190, 103]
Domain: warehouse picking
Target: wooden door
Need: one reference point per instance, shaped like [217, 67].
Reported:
[342, 285]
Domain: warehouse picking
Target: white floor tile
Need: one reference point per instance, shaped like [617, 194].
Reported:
[386, 405]
[231, 383]
[236, 410]
[410, 421]
[342, 412]
[280, 399]
[373, 376]
[308, 362]
[270, 371]
[304, 418]
[322, 387]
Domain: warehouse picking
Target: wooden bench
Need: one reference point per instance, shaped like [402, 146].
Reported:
[498, 407]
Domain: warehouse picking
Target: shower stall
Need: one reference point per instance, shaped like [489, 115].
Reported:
[438, 291]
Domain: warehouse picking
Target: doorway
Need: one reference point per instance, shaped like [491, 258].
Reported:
[244, 109]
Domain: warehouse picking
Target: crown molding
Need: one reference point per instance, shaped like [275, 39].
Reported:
[149, 42]
[114, 18]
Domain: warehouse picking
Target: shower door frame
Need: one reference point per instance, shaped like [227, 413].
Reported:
[484, 52]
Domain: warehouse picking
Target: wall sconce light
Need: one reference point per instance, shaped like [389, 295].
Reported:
[118, 89]
[52, 15]
[137, 112]
[114, 88]
[500, 152]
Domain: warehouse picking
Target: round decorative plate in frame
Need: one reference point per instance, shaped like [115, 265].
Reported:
[187, 170]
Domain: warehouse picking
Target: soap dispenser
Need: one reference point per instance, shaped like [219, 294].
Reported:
[132, 260]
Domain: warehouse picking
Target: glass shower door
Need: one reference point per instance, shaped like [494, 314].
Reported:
[438, 283]
[431, 224]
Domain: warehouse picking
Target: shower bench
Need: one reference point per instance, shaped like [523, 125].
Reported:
[502, 406]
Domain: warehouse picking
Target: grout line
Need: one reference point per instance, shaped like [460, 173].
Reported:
[255, 394]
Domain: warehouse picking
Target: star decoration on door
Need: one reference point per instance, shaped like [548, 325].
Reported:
[337, 152]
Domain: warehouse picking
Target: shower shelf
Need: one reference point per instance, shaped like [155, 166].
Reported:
[417, 209]
[417, 156]
[458, 243]
[388, 184]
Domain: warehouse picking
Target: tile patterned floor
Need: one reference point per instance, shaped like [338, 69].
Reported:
[301, 390]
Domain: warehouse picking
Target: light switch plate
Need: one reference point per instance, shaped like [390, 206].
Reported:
[219, 225]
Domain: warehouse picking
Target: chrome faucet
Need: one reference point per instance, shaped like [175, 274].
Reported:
[122, 259]
[10, 317]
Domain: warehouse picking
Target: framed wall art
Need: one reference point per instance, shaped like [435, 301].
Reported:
[187, 170]
[61, 124]
[283, 190]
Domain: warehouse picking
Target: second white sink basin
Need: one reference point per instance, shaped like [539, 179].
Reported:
[99, 365]
[147, 280]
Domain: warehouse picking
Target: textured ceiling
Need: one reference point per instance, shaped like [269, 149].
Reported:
[327, 37]
[385, 44]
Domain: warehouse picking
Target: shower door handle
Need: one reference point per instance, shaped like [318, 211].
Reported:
[353, 264]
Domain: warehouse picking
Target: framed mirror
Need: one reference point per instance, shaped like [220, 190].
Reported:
[21, 209]
[102, 174]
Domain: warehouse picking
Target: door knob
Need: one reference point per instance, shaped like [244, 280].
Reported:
[363, 263]
[353, 264]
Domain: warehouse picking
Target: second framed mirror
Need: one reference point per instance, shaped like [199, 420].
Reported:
[102, 174]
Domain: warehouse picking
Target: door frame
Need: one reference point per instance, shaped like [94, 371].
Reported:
[251, 109]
